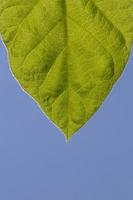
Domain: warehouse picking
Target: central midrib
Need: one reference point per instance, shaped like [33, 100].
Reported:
[65, 10]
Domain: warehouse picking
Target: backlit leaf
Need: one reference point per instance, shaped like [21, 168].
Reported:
[67, 54]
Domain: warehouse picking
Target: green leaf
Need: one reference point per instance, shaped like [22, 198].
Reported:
[67, 54]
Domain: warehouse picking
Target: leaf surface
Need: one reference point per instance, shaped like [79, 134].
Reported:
[67, 54]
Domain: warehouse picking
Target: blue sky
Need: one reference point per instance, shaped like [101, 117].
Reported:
[35, 161]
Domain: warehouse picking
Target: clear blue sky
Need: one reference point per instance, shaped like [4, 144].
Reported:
[37, 164]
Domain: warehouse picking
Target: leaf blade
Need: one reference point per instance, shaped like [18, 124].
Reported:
[67, 54]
